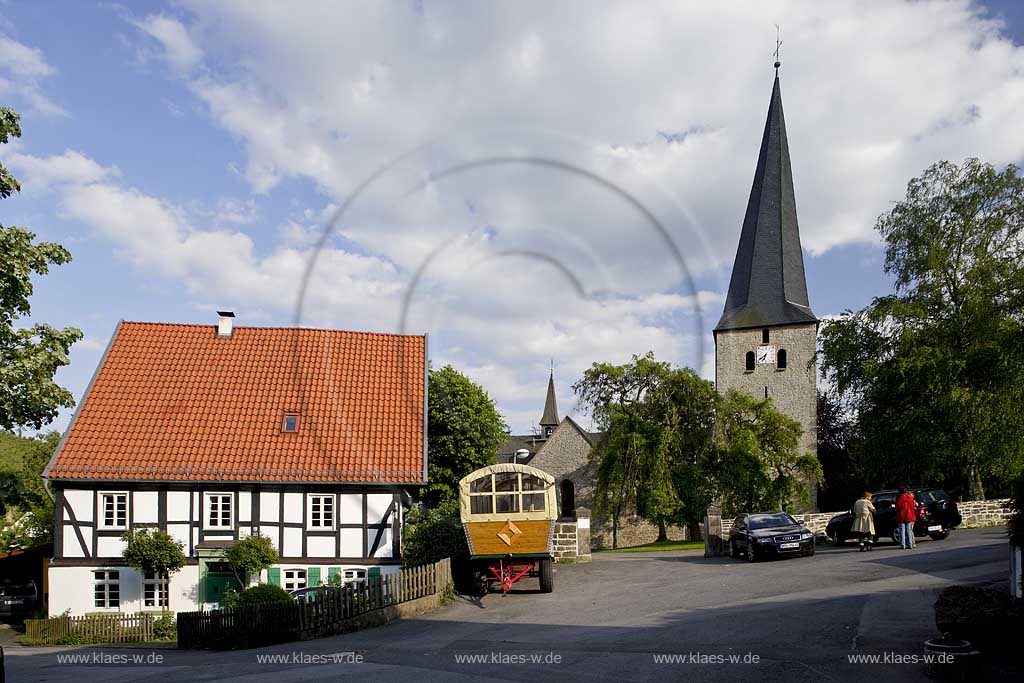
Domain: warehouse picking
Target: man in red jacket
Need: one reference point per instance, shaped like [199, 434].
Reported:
[906, 514]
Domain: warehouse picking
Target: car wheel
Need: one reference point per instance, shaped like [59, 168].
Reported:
[751, 553]
[939, 535]
[896, 536]
[733, 550]
[839, 538]
[810, 553]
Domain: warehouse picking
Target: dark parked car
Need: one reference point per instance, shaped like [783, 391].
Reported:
[18, 600]
[769, 534]
[937, 515]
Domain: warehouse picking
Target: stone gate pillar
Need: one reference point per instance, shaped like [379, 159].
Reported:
[714, 544]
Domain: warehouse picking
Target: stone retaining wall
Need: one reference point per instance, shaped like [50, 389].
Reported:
[976, 513]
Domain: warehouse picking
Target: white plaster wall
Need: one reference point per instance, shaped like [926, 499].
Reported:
[351, 542]
[70, 547]
[177, 506]
[376, 505]
[320, 546]
[244, 506]
[71, 588]
[350, 508]
[293, 503]
[270, 531]
[81, 503]
[269, 505]
[179, 532]
[292, 542]
[385, 542]
[146, 509]
[107, 546]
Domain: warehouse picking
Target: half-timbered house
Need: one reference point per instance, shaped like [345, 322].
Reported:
[310, 437]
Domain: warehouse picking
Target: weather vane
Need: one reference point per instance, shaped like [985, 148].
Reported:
[778, 44]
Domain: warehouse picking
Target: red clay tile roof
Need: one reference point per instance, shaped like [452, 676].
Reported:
[177, 402]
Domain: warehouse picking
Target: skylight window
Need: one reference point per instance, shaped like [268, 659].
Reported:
[291, 423]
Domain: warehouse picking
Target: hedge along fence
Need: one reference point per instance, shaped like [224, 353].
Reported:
[331, 610]
[96, 628]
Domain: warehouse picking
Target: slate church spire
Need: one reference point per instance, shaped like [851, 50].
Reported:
[768, 286]
[549, 420]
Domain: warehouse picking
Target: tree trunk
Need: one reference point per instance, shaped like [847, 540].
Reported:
[662, 530]
[975, 490]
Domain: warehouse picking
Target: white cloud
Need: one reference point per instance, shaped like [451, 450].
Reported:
[25, 67]
[619, 136]
[70, 167]
[179, 50]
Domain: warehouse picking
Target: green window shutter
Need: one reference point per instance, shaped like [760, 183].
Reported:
[313, 577]
[274, 576]
[372, 572]
[332, 572]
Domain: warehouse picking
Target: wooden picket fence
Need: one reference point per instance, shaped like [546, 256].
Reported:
[96, 628]
[330, 611]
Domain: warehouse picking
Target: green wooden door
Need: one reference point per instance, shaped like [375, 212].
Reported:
[219, 578]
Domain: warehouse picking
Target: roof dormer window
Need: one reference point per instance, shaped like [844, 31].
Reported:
[291, 423]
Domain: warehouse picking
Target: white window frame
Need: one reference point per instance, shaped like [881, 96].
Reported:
[353, 575]
[207, 500]
[107, 582]
[314, 524]
[293, 579]
[160, 586]
[103, 510]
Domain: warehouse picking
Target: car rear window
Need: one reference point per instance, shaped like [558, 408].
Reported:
[18, 589]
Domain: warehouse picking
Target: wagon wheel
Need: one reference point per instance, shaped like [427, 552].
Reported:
[547, 576]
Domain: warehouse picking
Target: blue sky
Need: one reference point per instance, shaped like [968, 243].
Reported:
[191, 154]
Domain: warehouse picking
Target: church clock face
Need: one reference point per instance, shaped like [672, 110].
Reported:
[765, 354]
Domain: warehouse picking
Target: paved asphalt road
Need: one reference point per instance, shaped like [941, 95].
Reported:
[610, 620]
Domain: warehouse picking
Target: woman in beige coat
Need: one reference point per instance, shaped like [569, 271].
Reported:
[864, 521]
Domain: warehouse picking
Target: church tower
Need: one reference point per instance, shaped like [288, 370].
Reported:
[549, 420]
[766, 339]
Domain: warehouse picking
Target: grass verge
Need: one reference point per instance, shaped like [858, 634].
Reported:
[657, 546]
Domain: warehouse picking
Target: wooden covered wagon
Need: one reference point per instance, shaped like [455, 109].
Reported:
[508, 512]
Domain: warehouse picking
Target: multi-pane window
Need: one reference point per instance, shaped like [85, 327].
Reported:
[506, 492]
[107, 588]
[218, 511]
[321, 512]
[114, 510]
[294, 579]
[154, 590]
[355, 576]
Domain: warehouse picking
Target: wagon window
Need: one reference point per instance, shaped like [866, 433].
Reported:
[506, 502]
[533, 502]
[481, 485]
[506, 481]
[481, 505]
[532, 483]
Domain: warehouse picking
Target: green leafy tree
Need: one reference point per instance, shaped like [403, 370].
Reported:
[841, 472]
[29, 356]
[154, 551]
[433, 534]
[935, 370]
[673, 446]
[464, 431]
[250, 556]
[26, 510]
[758, 465]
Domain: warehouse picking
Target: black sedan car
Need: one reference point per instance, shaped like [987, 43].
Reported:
[937, 515]
[769, 534]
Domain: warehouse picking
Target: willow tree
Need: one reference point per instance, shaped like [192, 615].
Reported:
[935, 370]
